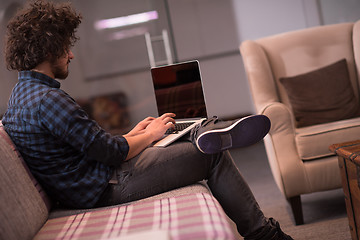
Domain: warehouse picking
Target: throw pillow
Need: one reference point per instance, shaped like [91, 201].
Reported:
[321, 96]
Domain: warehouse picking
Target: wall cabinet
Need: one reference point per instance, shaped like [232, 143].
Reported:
[202, 28]
[197, 29]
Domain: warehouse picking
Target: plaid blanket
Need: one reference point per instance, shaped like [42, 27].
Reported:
[193, 216]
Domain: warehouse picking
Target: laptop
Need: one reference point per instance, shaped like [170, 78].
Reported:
[178, 89]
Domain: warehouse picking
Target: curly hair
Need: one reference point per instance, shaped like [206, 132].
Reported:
[42, 31]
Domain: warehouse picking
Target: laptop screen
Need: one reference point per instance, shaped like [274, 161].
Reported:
[178, 89]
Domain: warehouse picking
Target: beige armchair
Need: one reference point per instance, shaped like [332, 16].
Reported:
[299, 157]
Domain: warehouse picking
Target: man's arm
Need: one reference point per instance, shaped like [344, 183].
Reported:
[112, 150]
[72, 125]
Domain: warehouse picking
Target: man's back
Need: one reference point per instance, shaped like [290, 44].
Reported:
[41, 120]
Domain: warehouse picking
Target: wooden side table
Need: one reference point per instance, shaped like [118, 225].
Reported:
[349, 164]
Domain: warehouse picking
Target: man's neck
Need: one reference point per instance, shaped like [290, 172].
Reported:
[44, 68]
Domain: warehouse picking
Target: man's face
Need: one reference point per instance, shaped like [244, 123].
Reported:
[60, 67]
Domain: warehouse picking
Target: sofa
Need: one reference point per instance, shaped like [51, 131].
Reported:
[26, 212]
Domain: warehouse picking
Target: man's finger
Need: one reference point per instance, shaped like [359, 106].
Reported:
[170, 124]
[168, 119]
[165, 115]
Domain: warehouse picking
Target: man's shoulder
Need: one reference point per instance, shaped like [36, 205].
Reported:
[29, 93]
[33, 87]
[56, 97]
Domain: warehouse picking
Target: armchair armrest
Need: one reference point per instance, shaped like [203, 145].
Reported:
[286, 166]
[282, 120]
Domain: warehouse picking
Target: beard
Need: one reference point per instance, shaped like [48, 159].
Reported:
[59, 68]
[60, 72]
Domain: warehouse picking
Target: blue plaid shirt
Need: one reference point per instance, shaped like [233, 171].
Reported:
[68, 153]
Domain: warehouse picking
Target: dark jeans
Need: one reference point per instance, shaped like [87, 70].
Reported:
[157, 170]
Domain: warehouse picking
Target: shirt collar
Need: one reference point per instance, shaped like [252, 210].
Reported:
[42, 78]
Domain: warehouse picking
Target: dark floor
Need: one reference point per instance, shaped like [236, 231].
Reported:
[324, 213]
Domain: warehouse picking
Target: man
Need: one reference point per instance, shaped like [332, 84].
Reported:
[75, 160]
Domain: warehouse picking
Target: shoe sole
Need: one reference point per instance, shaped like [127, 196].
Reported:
[244, 132]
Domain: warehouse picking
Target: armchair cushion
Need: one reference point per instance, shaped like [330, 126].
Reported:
[313, 142]
[321, 96]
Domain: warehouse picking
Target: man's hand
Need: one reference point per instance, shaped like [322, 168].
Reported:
[160, 125]
[140, 127]
[147, 131]
[152, 125]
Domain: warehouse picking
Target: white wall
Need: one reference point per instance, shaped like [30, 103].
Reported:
[335, 11]
[8, 79]
[260, 18]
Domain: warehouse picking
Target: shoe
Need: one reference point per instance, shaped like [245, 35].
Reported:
[214, 136]
[278, 234]
[272, 231]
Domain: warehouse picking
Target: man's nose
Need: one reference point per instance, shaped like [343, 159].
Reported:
[71, 55]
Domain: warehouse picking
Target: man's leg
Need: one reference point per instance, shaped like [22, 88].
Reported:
[157, 170]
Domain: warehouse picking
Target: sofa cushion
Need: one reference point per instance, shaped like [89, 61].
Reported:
[192, 216]
[199, 187]
[321, 96]
[23, 209]
[313, 142]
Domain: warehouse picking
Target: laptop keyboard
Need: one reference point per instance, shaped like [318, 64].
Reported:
[178, 127]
